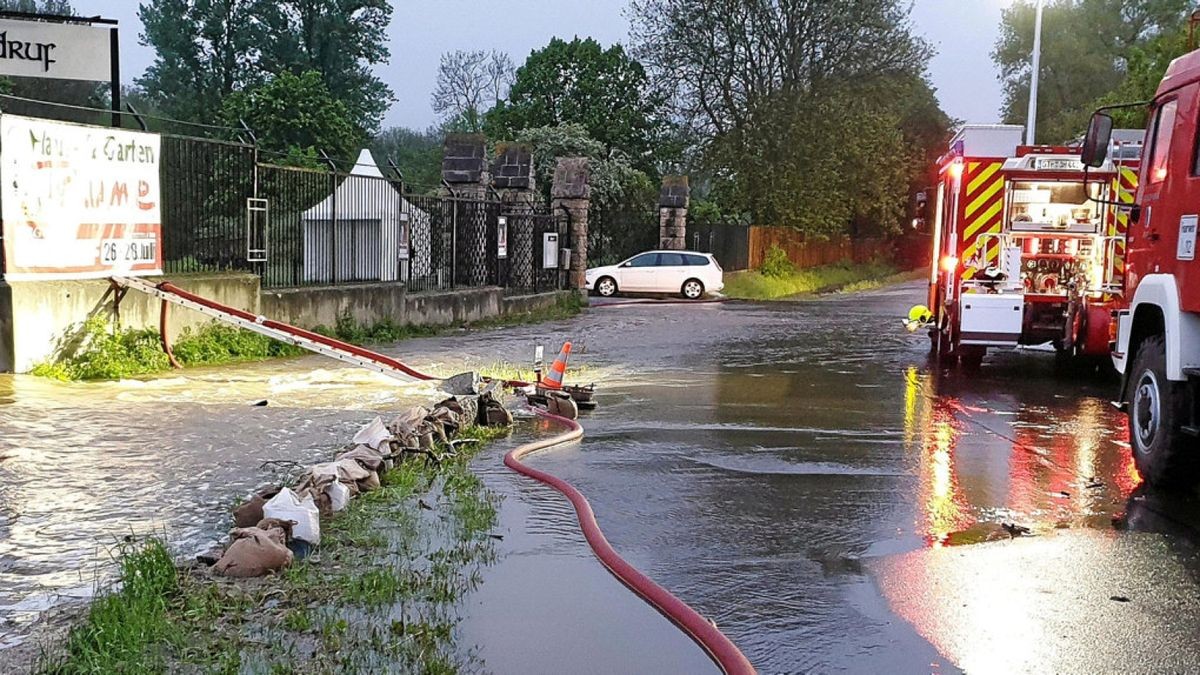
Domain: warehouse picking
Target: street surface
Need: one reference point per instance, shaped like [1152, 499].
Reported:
[795, 471]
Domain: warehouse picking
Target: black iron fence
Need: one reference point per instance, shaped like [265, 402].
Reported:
[727, 240]
[617, 234]
[224, 209]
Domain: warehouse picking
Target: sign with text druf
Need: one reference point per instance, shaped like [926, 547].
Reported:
[78, 202]
[66, 51]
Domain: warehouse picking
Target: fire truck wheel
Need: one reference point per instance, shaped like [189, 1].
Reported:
[606, 286]
[971, 357]
[1158, 407]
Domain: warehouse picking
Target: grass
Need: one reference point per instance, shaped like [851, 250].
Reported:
[96, 352]
[757, 285]
[380, 594]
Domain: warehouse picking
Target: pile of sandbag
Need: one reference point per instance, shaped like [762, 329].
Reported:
[275, 526]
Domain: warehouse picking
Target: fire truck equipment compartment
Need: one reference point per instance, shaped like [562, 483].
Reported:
[992, 320]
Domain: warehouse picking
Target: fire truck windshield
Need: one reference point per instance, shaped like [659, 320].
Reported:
[1051, 205]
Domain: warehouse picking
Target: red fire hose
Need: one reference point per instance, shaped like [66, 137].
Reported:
[719, 647]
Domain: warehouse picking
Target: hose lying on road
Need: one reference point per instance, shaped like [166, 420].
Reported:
[719, 647]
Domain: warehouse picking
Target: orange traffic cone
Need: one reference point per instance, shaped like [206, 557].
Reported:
[558, 369]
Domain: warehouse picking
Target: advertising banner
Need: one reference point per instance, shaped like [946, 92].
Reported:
[78, 202]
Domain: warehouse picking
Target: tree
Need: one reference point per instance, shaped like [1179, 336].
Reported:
[204, 51]
[469, 83]
[207, 50]
[579, 82]
[805, 109]
[1078, 67]
[614, 180]
[418, 155]
[340, 39]
[296, 116]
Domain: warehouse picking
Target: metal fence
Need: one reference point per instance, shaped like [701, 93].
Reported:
[224, 209]
[727, 240]
[617, 234]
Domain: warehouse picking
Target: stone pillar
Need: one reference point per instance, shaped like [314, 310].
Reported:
[512, 177]
[572, 192]
[465, 169]
[672, 213]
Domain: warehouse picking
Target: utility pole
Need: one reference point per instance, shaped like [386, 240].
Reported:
[1031, 121]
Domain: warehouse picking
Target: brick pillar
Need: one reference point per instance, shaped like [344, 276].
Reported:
[512, 177]
[571, 191]
[672, 213]
[465, 169]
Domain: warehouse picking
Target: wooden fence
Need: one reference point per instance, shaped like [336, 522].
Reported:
[809, 252]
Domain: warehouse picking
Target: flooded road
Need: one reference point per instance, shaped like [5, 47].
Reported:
[795, 471]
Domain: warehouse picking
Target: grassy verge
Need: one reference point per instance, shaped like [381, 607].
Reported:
[757, 285]
[96, 352]
[381, 594]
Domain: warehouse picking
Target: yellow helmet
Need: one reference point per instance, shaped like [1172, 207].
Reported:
[920, 314]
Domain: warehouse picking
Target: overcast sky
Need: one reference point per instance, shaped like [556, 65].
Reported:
[963, 31]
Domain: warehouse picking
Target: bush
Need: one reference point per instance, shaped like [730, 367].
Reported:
[776, 264]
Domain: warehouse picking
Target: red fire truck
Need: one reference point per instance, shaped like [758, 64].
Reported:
[1156, 345]
[1022, 253]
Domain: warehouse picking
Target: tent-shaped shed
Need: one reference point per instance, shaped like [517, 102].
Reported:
[365, 231]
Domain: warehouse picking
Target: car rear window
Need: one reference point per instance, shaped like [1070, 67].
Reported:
[696, 260]
[670, 260]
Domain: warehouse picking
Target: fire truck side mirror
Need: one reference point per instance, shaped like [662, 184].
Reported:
[1095, 144]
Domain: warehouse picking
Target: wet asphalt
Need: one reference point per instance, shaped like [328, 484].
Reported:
[797, 471]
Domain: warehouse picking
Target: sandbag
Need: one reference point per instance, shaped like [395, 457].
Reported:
[407, 423]
[498, 416]
[561, 404]
[345, 470]
[371, 460]
[249, 512]
[371, 482]
[339, 495]
[278, 530]
[253, 553]
[302, 512]
[373, 434]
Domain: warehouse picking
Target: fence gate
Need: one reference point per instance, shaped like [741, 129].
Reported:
[258, 214]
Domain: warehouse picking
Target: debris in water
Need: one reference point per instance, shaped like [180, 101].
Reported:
[1015, 530]
[1118, 598]
[421, 503]
[261, 404]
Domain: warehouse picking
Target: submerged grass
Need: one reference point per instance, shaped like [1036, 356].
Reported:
[98, 352]
[380, 594]
[758, 285]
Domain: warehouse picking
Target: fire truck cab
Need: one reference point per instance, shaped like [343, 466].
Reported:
[1022, 254]
[1157, 341]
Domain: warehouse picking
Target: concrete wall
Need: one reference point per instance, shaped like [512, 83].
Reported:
[38, 319]
[372, 303]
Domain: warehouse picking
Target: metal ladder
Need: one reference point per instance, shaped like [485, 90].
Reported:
[334, 349]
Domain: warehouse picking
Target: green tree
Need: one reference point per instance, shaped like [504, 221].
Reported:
[614, 180]
[605, 91]
[206, 50]
[297, 116]
[815, 115]
[418, 155]
[1078, 66]
[342, 40]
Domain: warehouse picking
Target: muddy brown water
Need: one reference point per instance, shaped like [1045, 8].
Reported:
[798, 472]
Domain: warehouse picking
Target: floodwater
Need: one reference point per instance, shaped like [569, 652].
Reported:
[795, 471]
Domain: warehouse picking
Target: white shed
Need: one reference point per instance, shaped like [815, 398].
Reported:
[364, 231]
